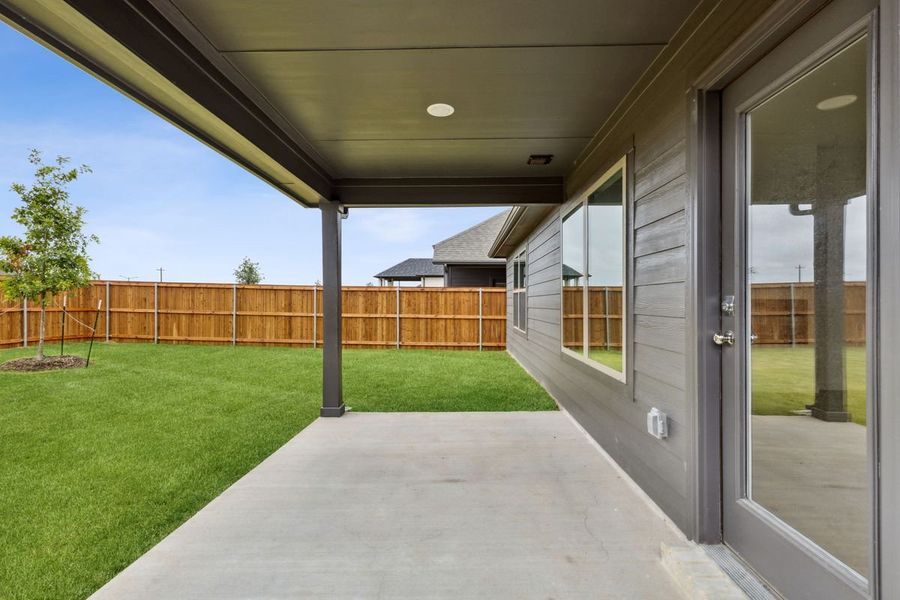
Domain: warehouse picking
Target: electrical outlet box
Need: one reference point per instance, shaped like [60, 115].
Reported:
[657, 424]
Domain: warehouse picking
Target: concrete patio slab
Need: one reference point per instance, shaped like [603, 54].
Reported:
[814, 475]
[424, 505]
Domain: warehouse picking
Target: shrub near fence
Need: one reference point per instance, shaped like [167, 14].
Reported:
[373, 317]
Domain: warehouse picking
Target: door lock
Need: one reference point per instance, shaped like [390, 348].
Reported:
[728, 305]
[724, 339]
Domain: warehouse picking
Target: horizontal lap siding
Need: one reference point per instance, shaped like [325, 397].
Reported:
[664, 300]
[613, 413]
[660, 271]
[652, 120]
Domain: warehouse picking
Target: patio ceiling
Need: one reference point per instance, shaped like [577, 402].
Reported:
[326, 99]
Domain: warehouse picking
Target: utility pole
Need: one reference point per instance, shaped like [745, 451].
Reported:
[799, 273]
[160, 269]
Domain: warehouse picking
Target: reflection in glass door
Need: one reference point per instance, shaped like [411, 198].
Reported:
[806, 323]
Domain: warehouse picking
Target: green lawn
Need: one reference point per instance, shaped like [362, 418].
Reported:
[610, 358]
[783, 380]
[97, 465]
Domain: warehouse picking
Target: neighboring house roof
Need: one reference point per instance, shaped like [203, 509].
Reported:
[472, 245]
[412, 268]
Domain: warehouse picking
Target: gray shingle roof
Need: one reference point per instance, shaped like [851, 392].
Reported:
[412, 268]
[569, 272]
[471, 245]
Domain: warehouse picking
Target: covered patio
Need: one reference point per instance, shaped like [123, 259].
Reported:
[342, 106]
[423, 505]
[346, 105]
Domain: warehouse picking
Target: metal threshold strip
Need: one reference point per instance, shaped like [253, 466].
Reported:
[749, 582]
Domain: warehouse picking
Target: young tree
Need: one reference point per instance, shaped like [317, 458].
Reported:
[248, 273]
[52, 256]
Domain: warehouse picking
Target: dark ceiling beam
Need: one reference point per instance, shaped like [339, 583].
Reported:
[139, 28]
[450, 191]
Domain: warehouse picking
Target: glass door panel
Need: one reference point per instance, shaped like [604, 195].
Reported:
[797, 458]
[806, 282]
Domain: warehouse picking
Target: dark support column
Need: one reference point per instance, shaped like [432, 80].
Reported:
[332, 393]
[828, 262]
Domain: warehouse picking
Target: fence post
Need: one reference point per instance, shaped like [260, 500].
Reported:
[315, 316]
[107, 311]
[62, 326]
[793, 319]
[24, 322]
[606, 314]
[234, 314]
[480, 319]
[398, 317]
[155, 313]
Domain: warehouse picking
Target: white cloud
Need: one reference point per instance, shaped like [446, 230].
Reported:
[780, 242]
[158, 198]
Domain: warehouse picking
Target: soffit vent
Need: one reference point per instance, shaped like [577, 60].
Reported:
[540, 159]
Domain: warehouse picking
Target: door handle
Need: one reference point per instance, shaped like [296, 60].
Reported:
[724, 339]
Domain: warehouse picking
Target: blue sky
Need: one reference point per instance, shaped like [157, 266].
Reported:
[159, 198]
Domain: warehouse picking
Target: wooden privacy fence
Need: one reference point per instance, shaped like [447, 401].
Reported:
[604, 314]
[781, 313]
[784, 313]
[373, 317]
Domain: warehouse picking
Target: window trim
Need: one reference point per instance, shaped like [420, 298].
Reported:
[520, 258]
[581, 200]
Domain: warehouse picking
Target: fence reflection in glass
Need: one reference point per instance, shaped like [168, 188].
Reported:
[593, 274]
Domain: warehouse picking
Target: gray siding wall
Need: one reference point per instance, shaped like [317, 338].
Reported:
[653, 123]
[612, 412]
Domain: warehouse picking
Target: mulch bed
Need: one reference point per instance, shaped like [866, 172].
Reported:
[49, 363]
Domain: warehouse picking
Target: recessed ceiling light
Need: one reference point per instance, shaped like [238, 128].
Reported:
[440, 110]
[836, 102]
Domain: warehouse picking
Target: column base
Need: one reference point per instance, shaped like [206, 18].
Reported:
[832, 416]
[332, 411]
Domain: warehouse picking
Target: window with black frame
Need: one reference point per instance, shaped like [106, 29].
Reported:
[593, 275]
